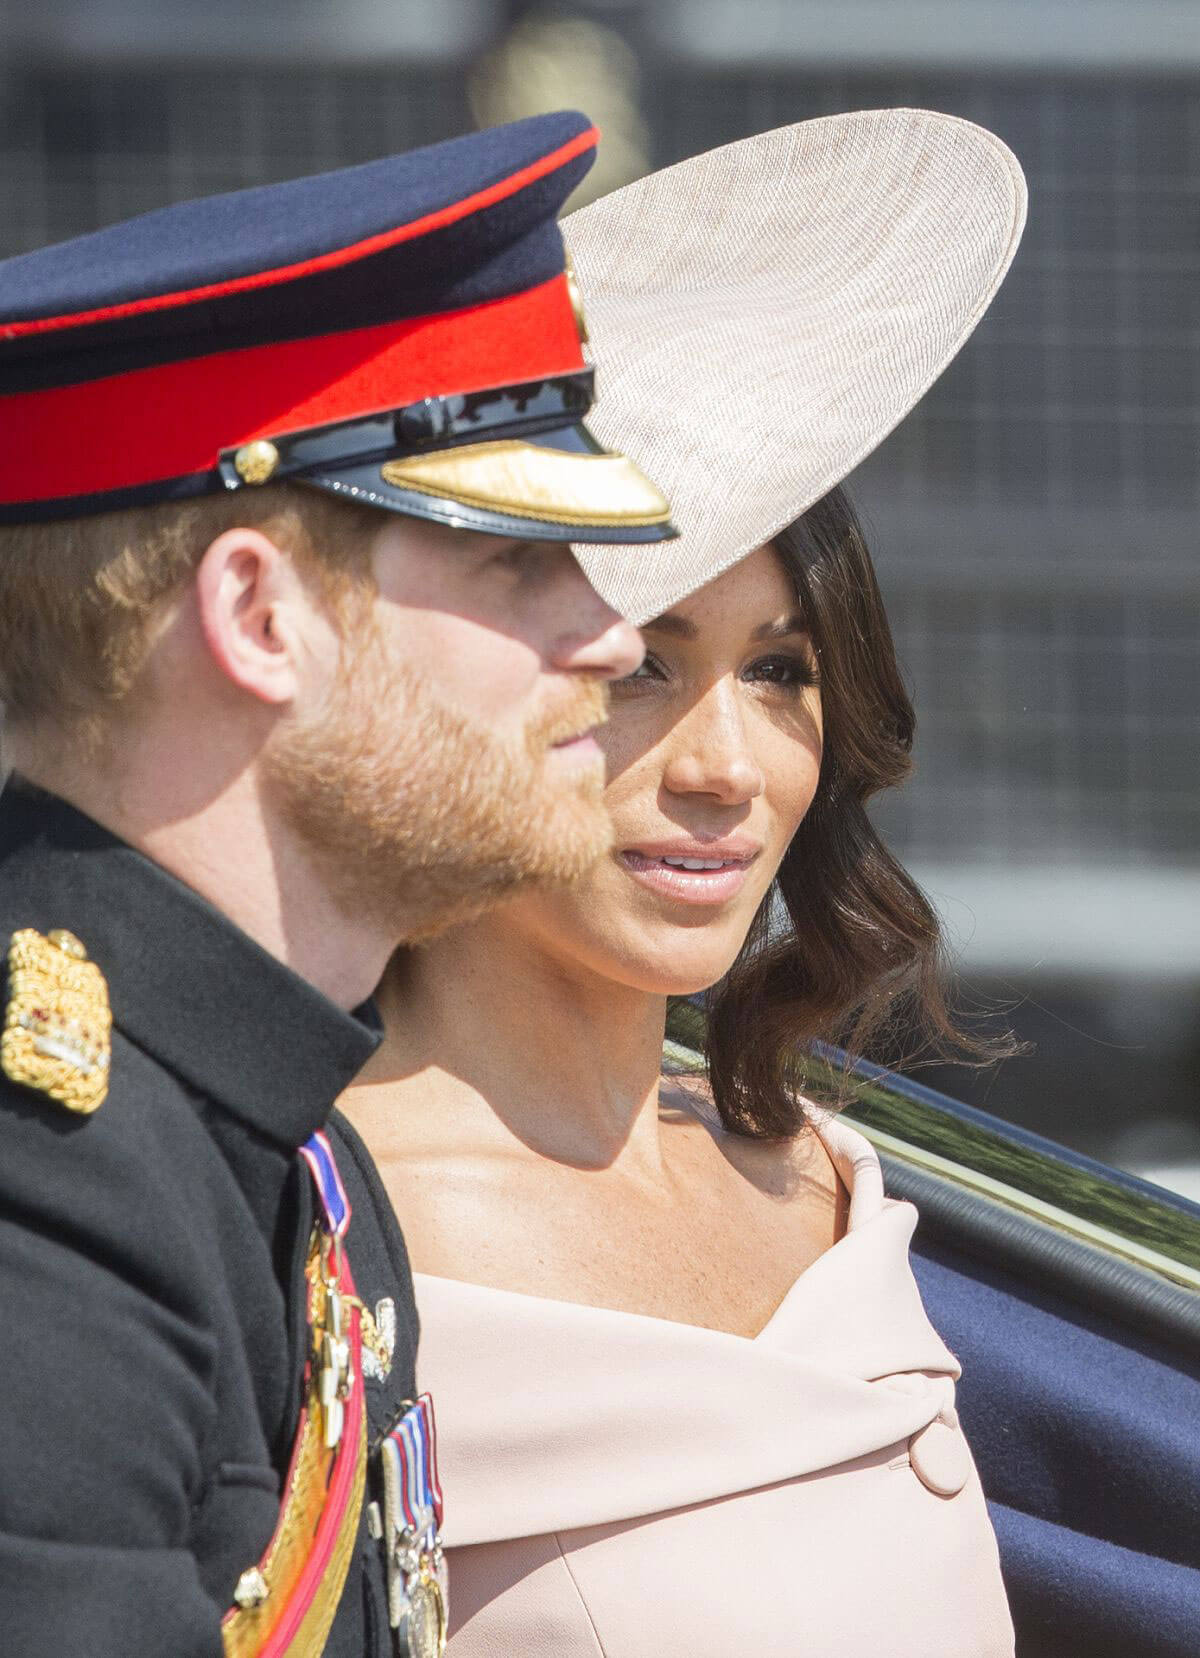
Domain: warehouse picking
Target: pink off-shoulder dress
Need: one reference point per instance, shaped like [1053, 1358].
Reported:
[620, 1486]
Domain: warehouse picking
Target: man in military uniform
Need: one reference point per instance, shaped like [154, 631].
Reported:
[297, 665]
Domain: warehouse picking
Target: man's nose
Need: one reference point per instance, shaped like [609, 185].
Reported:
[594, 638]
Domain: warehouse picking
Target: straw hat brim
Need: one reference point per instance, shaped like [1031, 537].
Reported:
[763, 315]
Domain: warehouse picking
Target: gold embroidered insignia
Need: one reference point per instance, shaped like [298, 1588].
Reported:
[58, 1027]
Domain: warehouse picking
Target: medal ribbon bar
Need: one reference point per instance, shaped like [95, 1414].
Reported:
[412, 1519]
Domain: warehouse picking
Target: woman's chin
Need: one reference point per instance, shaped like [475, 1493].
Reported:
[634, 950]
[671, 978]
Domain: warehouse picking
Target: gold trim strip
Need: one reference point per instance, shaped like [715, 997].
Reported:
[543, 485]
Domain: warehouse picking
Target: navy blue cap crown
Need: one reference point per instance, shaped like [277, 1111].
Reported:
[318, 329]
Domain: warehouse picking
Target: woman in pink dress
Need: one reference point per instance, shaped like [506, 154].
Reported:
[689, 1400]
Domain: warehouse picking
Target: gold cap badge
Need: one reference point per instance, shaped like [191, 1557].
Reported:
[57, 1034]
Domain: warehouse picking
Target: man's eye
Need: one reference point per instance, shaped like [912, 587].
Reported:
[514, 557]
[531, 561]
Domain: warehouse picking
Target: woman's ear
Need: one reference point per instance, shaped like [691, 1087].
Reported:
[258, 617]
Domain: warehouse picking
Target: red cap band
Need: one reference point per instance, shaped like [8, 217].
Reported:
[174, 419]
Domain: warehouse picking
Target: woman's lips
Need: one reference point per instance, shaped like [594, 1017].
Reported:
[688, 886]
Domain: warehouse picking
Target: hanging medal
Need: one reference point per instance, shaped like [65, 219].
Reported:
[334, 1363]
[412, 1518]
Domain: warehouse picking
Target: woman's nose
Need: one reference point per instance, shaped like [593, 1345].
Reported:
[713, 753]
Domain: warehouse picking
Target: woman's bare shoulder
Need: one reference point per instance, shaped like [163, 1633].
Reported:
[799, 1166]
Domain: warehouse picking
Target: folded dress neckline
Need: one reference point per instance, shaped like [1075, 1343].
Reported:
[556, 1414]
[858, 1169]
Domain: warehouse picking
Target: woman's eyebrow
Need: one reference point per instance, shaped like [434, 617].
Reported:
[781, 629]
[681, 628]
[670, 623]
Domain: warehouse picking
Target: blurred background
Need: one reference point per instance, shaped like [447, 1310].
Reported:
[1034, 523]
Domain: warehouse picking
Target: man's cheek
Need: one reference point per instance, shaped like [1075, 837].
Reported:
[495, 679]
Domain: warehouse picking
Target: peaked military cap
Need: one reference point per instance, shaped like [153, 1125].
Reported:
[405, 334]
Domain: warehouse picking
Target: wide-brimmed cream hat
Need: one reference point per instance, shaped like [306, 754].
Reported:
[762, 316]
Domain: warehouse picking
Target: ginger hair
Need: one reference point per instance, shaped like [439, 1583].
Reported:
[82, 600]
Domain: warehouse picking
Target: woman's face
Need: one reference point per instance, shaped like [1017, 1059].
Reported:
[714, 751]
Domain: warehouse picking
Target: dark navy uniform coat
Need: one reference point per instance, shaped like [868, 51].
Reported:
[152, 1299]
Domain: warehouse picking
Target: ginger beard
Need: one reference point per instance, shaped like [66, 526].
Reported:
[416, 811]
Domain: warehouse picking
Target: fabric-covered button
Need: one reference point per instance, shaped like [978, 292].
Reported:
[940, 1458]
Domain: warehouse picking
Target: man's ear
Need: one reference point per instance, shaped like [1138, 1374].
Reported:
[256, 614]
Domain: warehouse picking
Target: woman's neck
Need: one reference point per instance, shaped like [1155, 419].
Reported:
[502, 1040]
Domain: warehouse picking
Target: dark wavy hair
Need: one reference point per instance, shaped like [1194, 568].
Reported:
[844, 948]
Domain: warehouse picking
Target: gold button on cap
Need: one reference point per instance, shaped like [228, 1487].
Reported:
[940, 1458]
[255, 462]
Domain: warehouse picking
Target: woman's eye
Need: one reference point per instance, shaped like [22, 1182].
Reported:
[788, 672]
[650, 669]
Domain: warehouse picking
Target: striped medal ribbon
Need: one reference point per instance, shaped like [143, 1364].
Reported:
[412, 1522]
[331, 1194]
